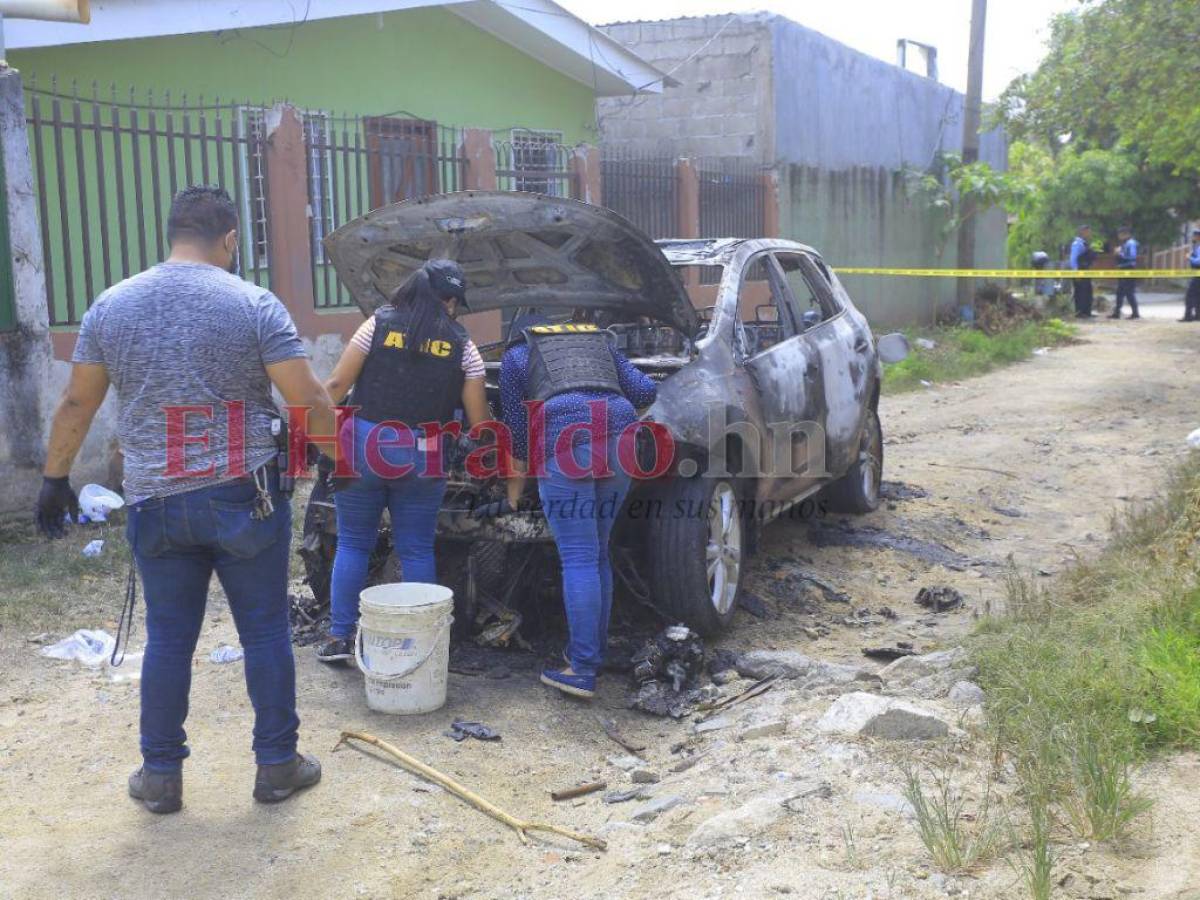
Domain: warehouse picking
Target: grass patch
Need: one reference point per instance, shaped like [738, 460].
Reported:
[1089, 676]
[52, 585]
[965, 352]
[956, 841]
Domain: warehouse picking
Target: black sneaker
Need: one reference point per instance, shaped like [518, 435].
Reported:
[159, 793]
[278, 782]
[336, 650]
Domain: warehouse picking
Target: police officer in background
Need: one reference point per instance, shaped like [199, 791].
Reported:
[1127, 254]
[410, 364]
[1082, 257]
[1191, 302]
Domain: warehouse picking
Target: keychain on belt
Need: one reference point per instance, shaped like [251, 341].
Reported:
[264, 506]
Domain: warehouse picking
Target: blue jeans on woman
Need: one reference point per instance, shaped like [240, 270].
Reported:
[581, 512]
[178, 542]
[413, 501]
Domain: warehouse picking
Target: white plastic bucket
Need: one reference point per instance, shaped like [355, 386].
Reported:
[403, 646]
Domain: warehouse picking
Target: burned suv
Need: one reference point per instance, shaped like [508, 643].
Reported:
[768, 387]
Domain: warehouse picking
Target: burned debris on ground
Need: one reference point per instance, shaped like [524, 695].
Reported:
[940, 598]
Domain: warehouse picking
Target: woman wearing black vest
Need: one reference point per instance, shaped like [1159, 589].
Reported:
[586, 393]
[410, 364]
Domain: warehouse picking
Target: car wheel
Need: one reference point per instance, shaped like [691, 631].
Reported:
[858, 490]
[697, 552]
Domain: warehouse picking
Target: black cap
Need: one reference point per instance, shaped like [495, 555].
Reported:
[447, 279]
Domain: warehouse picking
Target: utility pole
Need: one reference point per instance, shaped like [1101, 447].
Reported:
[972, 114]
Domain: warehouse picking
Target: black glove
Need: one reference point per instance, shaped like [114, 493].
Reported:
[493, 510]
[55, 500]
[313, 455]
[326, 468]
[462, 447]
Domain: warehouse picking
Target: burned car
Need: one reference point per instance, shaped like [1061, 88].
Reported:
[768, 388]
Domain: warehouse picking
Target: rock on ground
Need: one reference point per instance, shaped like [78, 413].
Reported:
[870, 715]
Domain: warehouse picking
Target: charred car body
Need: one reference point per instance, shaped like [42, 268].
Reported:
[769, 395]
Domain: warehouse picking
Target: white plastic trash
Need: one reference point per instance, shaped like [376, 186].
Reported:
[91, 647]
[1193, 439]
[94, 548]
[226, 654]
[96, 502]
[403, 646]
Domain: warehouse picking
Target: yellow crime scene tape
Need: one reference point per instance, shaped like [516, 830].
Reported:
[1044, 274]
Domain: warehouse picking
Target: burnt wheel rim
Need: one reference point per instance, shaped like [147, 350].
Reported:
[870, 457]
[723, 553]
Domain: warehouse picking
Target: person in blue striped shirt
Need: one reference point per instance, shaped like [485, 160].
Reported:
[1127, 254]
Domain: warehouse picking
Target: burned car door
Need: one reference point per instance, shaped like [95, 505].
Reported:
[781, 363]
[838, 344]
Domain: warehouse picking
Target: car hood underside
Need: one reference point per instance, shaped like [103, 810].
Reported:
[518, 250]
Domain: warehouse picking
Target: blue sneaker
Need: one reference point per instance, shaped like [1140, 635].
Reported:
[575, 685]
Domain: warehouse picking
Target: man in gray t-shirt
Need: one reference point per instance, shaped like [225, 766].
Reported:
[192, 351]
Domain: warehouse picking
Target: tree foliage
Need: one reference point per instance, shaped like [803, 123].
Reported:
[1104, 188]
[1118, 74]
[950, 180]
[1107, 129]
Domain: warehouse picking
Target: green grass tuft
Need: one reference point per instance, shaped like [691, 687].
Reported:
[965, 352]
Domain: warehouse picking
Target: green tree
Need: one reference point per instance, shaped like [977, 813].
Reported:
[1104, 188]
[1118, 74]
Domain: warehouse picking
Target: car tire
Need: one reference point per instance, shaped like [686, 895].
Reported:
[858, 490]
[697, 552]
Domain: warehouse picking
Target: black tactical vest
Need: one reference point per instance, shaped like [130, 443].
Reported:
[569, 357]
[400, 385]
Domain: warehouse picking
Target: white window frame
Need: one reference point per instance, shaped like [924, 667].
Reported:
[524, 140]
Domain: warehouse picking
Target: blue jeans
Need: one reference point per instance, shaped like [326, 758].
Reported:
[178, 542]
[581, 513]
[413, 500]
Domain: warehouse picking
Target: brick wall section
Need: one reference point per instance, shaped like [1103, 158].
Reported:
[723, 103]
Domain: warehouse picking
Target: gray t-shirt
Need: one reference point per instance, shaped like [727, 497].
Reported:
[187, 335]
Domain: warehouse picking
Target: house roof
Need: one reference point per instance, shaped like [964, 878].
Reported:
[539, 28]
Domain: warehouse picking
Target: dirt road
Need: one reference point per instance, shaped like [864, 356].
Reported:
[1028, 463]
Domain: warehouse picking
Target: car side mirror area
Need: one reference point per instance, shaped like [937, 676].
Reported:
[892, 347]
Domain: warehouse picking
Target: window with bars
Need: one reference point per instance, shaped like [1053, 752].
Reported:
[320, 179]
[253, 132]
[537, 158]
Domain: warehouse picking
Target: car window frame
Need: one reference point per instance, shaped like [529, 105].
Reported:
[815, 274]
[777, 285]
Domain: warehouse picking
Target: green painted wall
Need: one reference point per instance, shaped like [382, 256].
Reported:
[428, 62]
[862, 217]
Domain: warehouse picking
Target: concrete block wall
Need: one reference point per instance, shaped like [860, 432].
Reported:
[722, 105]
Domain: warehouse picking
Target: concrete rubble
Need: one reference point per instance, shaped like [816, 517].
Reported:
[871, 715]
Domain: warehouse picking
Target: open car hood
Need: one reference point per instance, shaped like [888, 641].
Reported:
[517, 249]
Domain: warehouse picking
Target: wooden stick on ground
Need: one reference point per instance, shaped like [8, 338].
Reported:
[518, 825]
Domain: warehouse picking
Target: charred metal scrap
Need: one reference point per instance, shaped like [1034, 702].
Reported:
[667, 670]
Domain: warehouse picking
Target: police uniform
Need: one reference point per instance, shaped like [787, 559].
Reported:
[1191, 302]
[1127, 287]
[1082, 256]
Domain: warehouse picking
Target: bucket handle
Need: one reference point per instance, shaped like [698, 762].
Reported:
[393, 677]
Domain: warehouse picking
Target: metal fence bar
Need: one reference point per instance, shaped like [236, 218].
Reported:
[139, 200]
[643, 189]
[43, 210]
[156, 190]
[81, 180]
[101, 190]
[114, 120]
[64, 220]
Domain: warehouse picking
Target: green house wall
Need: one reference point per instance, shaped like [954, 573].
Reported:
[427, 62]
[423, 63]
